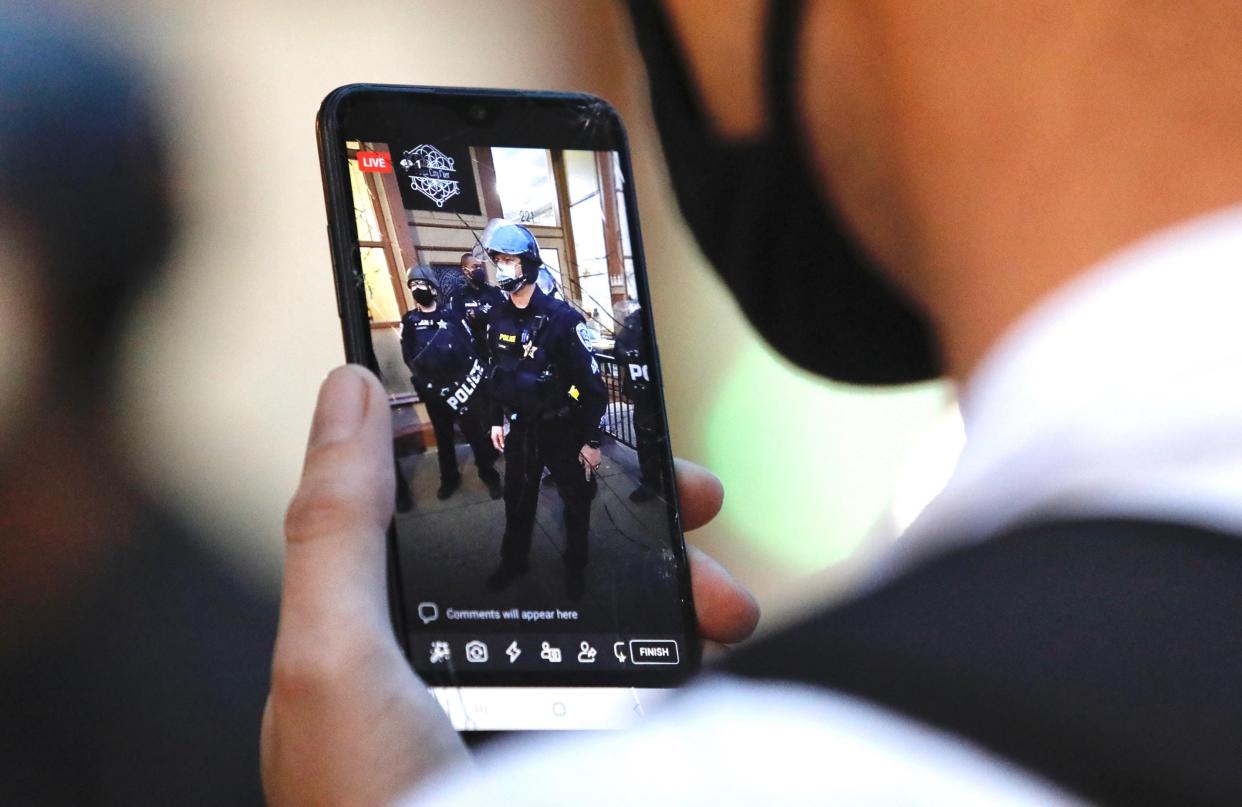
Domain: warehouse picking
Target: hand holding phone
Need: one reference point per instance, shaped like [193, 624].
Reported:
[346, 720]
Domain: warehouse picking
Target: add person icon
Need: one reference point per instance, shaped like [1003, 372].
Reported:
[586, 653]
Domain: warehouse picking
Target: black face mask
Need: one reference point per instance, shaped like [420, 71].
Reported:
[423, 296]
[477, 276]
[754, 207]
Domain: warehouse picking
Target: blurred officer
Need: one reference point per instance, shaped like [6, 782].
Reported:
[546, 385]
[473, 302]
[632, 356]
[447, 373]
[133, 660]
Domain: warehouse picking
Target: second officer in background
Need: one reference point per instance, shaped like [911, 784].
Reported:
[633, 354]
[448, 374]
[546, 385]
[474, 301]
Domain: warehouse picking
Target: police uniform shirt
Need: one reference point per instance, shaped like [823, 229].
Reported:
[473, 306]
[549, 331]
[1116, 397]
[418, 330]
[631, 353]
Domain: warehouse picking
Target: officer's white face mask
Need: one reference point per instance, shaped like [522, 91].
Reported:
[508, 274]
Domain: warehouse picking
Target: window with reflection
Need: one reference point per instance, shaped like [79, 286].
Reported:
[525, 185]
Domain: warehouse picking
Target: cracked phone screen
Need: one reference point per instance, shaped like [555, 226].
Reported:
[539, 559]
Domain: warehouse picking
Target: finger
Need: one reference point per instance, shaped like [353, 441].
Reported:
[727, 612]
[714, 652]
[334, 581]
[699, 492]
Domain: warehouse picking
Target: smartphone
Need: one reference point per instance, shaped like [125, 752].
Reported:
[489, 269]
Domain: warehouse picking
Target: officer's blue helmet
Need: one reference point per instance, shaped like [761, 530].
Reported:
[514, 239]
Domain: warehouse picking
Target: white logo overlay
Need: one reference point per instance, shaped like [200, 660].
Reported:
[431, 173]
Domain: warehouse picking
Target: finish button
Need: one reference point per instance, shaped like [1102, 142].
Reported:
[653, 651]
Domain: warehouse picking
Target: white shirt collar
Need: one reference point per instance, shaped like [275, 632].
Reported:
[1118, 395]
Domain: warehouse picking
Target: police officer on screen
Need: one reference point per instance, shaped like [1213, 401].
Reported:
[546, 385]
[632, 356]
[447, 373]
[473, 302]
[544, 280]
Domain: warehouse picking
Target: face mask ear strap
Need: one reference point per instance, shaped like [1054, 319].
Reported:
[781, 68]
[664, 58]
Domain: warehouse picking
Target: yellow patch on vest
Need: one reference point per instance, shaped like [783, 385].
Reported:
[508, 337]
[573, 392]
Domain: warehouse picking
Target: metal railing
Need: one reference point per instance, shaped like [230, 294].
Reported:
[619, 414]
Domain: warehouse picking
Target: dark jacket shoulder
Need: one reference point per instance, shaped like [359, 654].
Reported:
[1103, 654]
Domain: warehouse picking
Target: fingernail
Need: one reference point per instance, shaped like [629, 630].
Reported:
[342, 402]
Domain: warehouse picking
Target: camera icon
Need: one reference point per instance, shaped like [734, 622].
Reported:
[476, 652]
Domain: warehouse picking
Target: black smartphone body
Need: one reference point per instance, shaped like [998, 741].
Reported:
[538, 575]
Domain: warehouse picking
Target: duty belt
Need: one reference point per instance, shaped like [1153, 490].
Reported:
[549, 414]
[555, 414]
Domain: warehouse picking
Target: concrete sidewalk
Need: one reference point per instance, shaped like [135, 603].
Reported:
[448, 548]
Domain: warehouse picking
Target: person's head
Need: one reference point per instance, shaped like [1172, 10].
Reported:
[515, 253]
[963, 159]
[84, 202]
[423, 286]
[474, 269]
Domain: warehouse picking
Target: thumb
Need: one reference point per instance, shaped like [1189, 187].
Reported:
[346, 721]
[335, 579]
